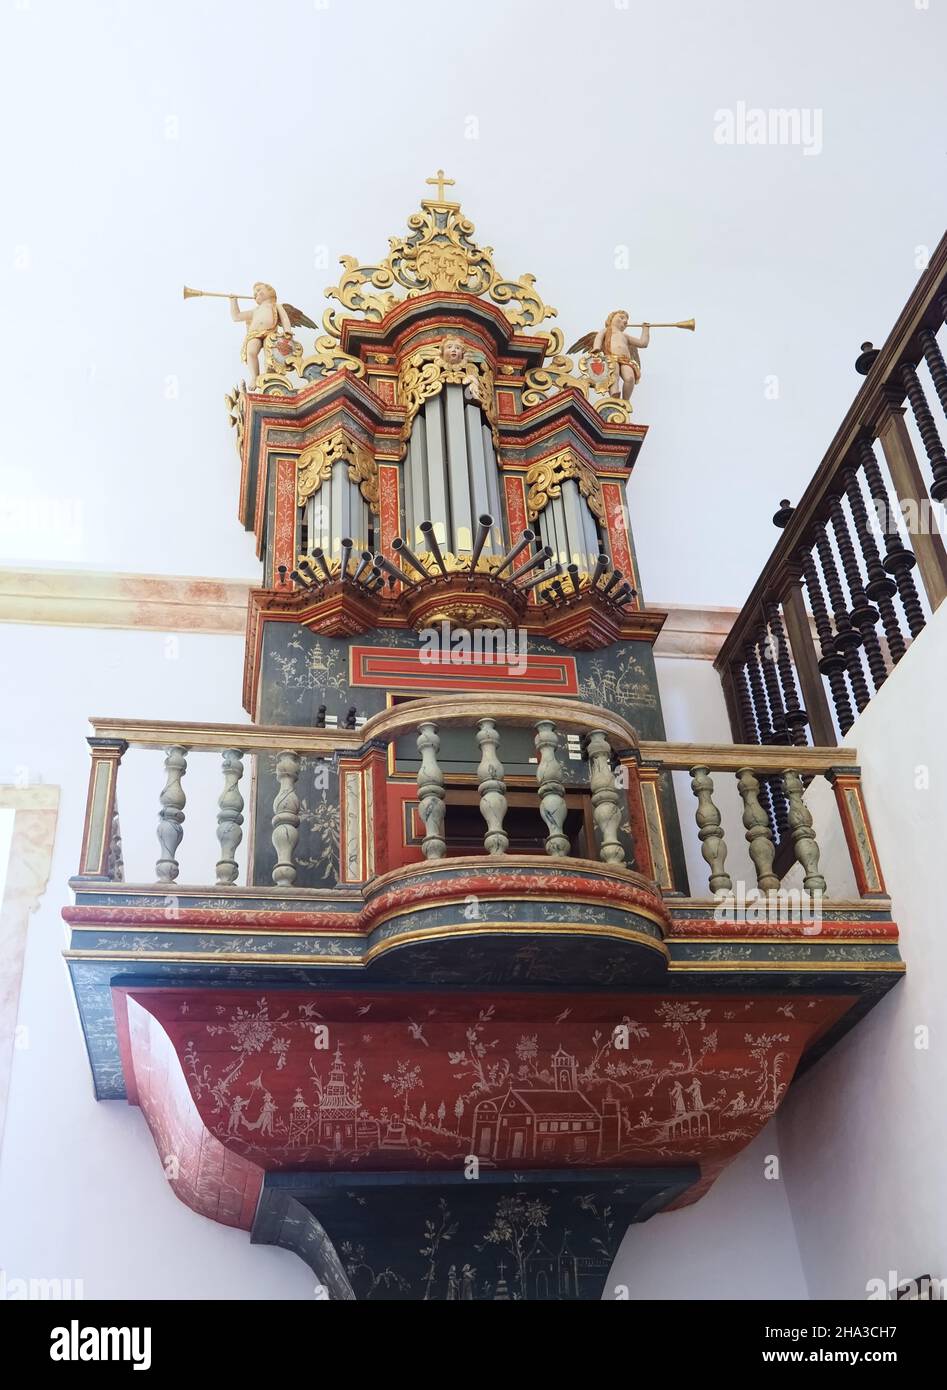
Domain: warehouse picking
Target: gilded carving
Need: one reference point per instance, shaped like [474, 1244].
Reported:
[429, 370]
[317, 462]
[545, 478]
[439, 253]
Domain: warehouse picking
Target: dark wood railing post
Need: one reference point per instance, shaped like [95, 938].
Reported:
[806, 660]
[912, 492]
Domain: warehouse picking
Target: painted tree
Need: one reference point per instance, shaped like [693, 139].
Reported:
[405, 1079]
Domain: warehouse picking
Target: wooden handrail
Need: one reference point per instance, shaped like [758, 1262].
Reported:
[869, 407]
[733, 757]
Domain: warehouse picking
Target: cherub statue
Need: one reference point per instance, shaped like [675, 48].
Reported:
[618, 347]
[455, 354]
[268, 315]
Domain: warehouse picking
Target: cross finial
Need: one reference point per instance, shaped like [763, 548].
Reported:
[440, 182]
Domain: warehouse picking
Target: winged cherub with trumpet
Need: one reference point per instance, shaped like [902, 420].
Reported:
[268, 315]
[619, 347]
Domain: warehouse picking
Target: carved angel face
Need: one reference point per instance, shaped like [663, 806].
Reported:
[453, 351]
[621, 320]
[262, 292]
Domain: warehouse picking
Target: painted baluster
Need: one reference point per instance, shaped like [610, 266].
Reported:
[171, 815]
[758, 833]
[431, 806]
[492, 788]
[898, 561]
[285, 818]
[229, 815]
[713, 846]
[606, 798]
[552, 791]
[116, 859]
[803, 836]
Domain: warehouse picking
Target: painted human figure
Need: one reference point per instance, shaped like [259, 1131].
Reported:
[467, 1286]
[693, 1090]
[267, 315]
[267, 1112]
[236, 1114]
[453, 1288]
[677, 1099]
[622, 347]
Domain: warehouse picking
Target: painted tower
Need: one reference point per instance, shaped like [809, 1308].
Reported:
[461, 1020]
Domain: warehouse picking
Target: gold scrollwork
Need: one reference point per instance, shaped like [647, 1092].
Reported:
[427, 372]
[439, 253]
[544, 481]
[560, 372]
[316, 463]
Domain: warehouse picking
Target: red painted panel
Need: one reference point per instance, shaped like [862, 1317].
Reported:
[401, 668]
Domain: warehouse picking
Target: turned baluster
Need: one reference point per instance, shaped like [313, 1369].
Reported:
[766, 652]
[751, 730]
[861, 614]
[938, 370]
[229, 815]
[880, 587]
[925, 422]
[767, 735]
[171, 815]
[759, 836]
[847, 639]
[898, 561]
[552, 792]
[285, 818]
[794, 715]
[492, 788]
[606, 798]
[831, 661]
[116, 858]
[713, 845]
[431, 804]
[803, 836]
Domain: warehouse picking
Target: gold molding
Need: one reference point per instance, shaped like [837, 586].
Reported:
[315, 464]
[425, 374]
[545, 478]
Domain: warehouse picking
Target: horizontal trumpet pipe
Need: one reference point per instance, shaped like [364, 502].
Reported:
[382, 562]
[510, 556]
[347, 544]
[538, 559]
[551, 573]
[602, 563]
[616, 577]
[320, 558]
[364, 559]
[402, 549]
[483, 530]
[573, 572]
[427, 530]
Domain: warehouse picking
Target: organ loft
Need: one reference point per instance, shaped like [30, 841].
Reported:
[448, 1015]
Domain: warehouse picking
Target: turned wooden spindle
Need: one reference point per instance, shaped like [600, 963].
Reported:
[432, 807]
[750, 729]
[606, 798]
[230, 815]
[847, 638]
[898, 561]
[803, 836]
[713, 845]
[286, 807]
[926, 425]
[492, 788]
[938, 370]
[880, 587]
[171, 815]
[768, 736]
[766, 653]
[862, 615]
[550, 780]
[759, 835]
[794, 715]
[831, 661]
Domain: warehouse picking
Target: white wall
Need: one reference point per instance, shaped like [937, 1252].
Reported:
[82, 1192]
[737, 1242]
[863, 1134]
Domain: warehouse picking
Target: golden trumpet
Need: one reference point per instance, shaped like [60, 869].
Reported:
[212, 294]
[689, 324]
